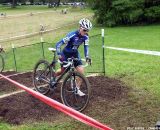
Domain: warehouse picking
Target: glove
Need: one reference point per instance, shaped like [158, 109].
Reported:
[88, 60]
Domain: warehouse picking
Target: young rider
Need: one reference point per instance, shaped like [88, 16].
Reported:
[72, 42]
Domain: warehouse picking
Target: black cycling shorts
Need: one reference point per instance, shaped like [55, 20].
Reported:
[65, 55]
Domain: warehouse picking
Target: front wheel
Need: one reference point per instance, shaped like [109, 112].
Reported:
[42, 76]
[69, 91]
[1, 63]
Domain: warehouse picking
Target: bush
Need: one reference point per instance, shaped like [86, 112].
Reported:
[152, 14]
[126, 12]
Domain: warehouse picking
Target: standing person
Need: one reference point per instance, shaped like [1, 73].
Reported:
[1, 49]
[72, 42]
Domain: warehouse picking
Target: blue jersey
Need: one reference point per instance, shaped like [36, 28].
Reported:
[72, 42]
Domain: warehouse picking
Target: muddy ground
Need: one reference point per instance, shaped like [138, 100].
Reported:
[24, 108]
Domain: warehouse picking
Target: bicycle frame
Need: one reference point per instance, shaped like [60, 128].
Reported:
[70, 68]
[74, 85]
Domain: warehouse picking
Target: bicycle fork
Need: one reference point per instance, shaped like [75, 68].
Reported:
[74, 84]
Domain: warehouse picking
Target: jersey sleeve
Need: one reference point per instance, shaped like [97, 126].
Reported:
[69, 37]
[86, 47]
[58, 46]
[65, 40]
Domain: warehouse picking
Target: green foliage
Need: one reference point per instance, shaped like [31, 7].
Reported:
[152, 14]
[126, 12]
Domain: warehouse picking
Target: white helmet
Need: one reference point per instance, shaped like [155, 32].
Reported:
[85, 23]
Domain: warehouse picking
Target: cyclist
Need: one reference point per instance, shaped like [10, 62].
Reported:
[1, 49]
[72, 42]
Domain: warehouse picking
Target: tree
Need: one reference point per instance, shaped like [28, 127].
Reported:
[122, 12]
[101, 8]
[58, 3]
[31, 1]
[14, 3]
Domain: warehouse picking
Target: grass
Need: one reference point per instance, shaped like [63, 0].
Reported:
[29, 24]
[35, 53]
[135, 37]
[26, 9]
[37, 126]
[142, 69]
[138, 71]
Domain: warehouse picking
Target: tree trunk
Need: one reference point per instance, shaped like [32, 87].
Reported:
[58, 3]
[14, 2]
[49, 3]
[31, 1]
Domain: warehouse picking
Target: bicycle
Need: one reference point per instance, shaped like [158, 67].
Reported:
[2, 63]
[44, 81]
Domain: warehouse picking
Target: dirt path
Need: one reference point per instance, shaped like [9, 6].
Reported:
[23, 108]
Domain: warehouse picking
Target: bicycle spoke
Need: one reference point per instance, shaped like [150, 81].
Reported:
[70, 95]
[42, 76]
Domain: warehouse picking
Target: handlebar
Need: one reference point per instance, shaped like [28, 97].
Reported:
[69, 60]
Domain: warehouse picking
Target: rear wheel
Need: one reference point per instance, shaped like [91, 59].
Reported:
[42, 76]
[1, 63]
[69, 90]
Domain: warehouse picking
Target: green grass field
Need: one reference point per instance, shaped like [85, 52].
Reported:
[144, 69]
[49, 18]
[26, 9]
[137, 71]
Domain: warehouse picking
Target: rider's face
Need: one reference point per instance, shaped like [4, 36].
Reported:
[83, 31]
